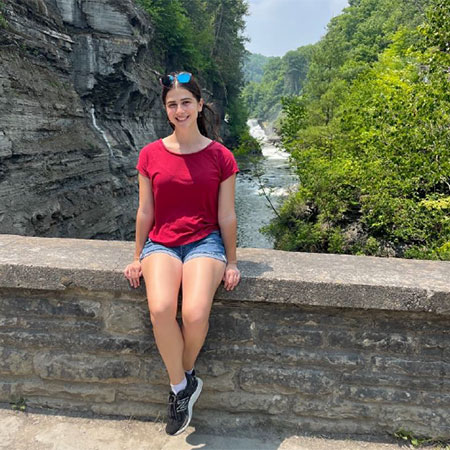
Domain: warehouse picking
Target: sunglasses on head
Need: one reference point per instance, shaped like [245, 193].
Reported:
[168, 80]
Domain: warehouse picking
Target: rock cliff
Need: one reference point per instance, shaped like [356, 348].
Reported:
[79, 96]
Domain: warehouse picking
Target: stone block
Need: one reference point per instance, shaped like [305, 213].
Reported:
[435, 345]
[63, 390]
[432, 422]
[147, 393]
[244, 402]
[372, 341]
[43, 306]
[131, 409]
[286, 356]
[15, 362]
[287, 381]
[59, 404]
[7, 391]
[288, 335]
[81, 342]
[153, 371]
[334, 409]
[129, 319]
[213, 367]
[410, 382]
[418, 367]
[230, 325]
[11, 322]
[310, 423]
[433, 399]
[90, 368]
[67, 324]
[378, 394]
[216, 375]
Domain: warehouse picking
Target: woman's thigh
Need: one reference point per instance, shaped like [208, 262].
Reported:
[162, 274]
[201, 278]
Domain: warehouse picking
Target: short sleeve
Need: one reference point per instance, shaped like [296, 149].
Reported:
[228, 164]
[142, 164]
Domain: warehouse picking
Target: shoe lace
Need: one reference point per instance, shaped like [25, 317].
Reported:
[177, 406]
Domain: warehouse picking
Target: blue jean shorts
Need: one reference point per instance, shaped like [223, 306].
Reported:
[210, 246]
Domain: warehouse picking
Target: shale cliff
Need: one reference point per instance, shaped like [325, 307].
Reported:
[79, 96]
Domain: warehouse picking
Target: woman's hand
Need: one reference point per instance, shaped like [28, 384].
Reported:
[133, 272]
[231, 276]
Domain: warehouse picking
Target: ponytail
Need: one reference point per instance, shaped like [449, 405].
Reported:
[208, 122]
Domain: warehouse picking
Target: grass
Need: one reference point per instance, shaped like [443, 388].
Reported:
[19, 404]
[421, 441]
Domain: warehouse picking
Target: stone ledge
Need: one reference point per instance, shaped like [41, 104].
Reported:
[268, 276]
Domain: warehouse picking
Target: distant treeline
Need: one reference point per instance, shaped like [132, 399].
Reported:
[270, 78]
[369, 135]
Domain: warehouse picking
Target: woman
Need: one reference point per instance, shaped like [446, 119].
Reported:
[185, 236]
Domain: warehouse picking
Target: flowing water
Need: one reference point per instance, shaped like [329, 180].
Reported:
[276, 179]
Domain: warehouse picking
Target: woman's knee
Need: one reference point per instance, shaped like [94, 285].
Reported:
[195, 317]
[162, 313]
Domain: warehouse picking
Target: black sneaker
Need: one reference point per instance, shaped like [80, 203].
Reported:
[181, 405]
[190, 374]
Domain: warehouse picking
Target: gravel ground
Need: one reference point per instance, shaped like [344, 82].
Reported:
[51, 431]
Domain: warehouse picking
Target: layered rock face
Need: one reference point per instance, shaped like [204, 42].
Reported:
[79, 97]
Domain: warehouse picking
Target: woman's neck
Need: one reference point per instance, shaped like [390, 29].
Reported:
[187, 140]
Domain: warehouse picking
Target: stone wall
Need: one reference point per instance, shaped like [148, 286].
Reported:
[306, 342]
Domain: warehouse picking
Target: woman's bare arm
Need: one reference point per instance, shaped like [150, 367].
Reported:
[228, 229]
[145, 214]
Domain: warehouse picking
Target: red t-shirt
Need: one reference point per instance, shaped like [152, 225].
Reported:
[185, 190]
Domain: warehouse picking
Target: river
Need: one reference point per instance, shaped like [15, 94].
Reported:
[252, 208]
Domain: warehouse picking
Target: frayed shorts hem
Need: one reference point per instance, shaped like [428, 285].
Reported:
[196, 255]
[210, 246]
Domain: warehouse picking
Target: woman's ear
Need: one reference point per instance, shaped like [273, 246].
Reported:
[200, 105]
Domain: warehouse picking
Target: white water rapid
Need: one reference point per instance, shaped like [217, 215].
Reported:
[253, 208]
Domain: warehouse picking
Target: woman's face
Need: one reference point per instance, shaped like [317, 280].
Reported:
[182, 107]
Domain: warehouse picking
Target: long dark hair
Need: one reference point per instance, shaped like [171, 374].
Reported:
[207, 120]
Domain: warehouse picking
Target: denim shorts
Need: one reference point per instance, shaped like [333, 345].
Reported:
[210, 246]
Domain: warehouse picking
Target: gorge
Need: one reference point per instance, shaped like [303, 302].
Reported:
[79, 97]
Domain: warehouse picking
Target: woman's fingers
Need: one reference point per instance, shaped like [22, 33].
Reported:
[133, 273]
[231, 279]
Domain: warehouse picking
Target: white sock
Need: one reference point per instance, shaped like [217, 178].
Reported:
[189, 372]
[179, 387]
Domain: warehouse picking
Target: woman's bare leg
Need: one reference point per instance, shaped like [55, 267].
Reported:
[201, 278]
[162, 274]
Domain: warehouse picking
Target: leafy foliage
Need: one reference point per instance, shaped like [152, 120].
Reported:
[281, 77]
[370, 138]
[417, 441]
[254, 67]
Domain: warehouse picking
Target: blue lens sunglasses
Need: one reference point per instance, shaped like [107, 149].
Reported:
[168, 80]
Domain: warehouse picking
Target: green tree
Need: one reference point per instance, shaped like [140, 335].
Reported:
[375, 174]
[254, 67]
[281, 77]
